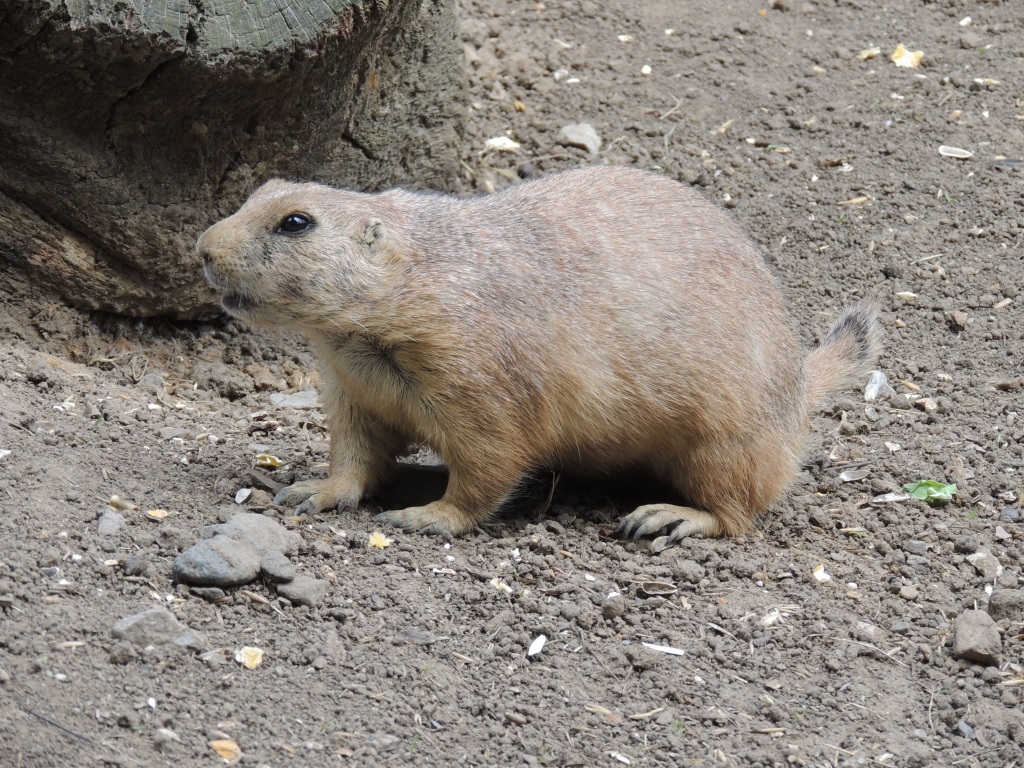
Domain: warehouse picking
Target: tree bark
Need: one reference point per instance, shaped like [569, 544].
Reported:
[128, 126]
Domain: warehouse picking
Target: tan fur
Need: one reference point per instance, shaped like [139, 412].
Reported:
[598, 320]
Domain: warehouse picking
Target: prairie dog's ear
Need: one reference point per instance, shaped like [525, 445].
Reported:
[374, 233]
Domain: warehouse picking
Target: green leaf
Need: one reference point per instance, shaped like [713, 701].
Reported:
[931, 491]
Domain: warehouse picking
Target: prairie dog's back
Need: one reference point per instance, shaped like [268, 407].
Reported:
[624, 298]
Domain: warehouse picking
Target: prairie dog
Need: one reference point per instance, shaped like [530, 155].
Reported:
[598, 320]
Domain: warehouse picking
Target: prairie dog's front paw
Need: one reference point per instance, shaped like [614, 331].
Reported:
[438, 518]
[315, 496]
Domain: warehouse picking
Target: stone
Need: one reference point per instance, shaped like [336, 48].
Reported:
[908, 592]
[582, 135]
[304, 590]
[277, 567]
[985, 564]
[134, 565]
[689, 571]
[217, 562]
[169, 433]
[642, 658]
[613, 606]
[1006, 604]
[306, 398]
[157, 626]
[110, 523]
[260, 533]
[213, 594]
[976, 638]
[153, 383]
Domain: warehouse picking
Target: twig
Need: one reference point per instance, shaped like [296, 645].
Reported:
[56, 725]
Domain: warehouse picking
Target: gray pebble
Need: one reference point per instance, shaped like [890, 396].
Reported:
[613, 606]
[110, 523]
[689, 571]
[152, 382]
[157, 626]
[976, 638]
[135, 565]
[209, 593]
[1010, 513]
[122, 653]
[304, 590]
[260, 533]
[1006, 604]
[277, 567]
[167, 433]
[569, 611]
[217, 562]
[582, 135]
[916, 547]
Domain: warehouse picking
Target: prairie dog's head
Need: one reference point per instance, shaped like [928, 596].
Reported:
[299, 254]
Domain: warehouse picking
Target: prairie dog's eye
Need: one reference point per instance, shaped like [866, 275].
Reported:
[294, 223]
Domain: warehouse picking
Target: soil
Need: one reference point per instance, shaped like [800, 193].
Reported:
[418, 654]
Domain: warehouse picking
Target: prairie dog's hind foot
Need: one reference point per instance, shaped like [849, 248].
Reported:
[316, 496]
[678, 522]
[439, 518]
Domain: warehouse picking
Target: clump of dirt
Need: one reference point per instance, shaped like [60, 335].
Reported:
[844, 633]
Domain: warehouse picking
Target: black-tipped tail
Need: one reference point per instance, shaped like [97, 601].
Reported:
[848, 351]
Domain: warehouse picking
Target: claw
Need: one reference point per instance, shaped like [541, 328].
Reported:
[436, 519]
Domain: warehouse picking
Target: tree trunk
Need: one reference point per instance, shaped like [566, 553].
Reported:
[128, 126]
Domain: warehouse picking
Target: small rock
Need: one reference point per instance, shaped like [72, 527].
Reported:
[916, 561]
[985, 564]
[5, 676]
[169, 433]
[868, 633]
[909, 592]
[213, 594]
[6, 601]
[217, 562]
[135, 565]
[582, 135]
[970, 40]
[965, 730]
[613, 606]
[223, 380]
[122, 653]
[643, 658]
[927, 404]
[259, 532]
[976, 638]
[959, 319]
[157, 626]
[1010, 514]
[688, 571]
[277, 567]
[569, 611]
[262, 378]
[1006, 604]
[900, 628]
[260, 500]
[153, 382]
[916, 547]
[304, 590]
[233, 553]
[306, 398]
[110, 523]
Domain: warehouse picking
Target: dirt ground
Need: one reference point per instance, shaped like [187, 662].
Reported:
[418, 653]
